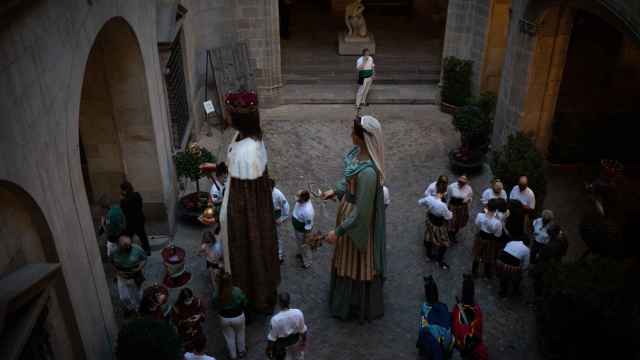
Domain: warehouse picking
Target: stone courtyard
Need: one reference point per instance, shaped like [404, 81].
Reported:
[305, 145]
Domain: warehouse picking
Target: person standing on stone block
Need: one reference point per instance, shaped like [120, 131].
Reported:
[248, 232]
[366, 70]
[131, 204]
[129, 260]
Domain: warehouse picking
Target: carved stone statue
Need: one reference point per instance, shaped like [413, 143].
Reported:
[356, 25]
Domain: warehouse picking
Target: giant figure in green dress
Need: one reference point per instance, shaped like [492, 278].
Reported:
[358, 266]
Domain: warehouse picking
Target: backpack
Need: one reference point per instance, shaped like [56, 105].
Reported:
[434, 337]
[114, 222]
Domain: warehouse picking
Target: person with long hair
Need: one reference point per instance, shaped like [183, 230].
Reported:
[358, 266]
[231, 305]
[247, 229]
[432, 189]
[188, 314]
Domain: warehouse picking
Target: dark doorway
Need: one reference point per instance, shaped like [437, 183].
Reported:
[598, 96]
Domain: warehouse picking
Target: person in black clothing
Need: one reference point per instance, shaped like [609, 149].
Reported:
[131, 204]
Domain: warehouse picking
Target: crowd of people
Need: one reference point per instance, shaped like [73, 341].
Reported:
[243, 247]
[507, 242]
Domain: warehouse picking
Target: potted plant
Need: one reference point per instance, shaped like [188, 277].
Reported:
[456, 83]
[188, 166]
[474, 122]
[146, 338]
[519, 156]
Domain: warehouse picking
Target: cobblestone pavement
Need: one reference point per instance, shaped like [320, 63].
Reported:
[305, 144]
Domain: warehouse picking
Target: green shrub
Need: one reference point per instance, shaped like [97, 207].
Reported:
[475, 122]
[146, 338]
[456, 86]
[520, 157]
[188, 162]
[590, 310]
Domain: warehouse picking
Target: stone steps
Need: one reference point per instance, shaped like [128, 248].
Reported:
[345, 93]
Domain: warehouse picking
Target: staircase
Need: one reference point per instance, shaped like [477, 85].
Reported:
[408, 56]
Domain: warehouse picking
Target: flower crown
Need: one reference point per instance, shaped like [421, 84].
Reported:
[241, 101]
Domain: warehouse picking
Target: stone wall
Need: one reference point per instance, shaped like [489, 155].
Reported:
[44, 48]
[258, 26]
[527, 96]
[466, 34]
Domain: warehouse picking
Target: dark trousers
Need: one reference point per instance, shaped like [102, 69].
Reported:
[509, 280]
[536, 247]
[137, 228]
[434, 252]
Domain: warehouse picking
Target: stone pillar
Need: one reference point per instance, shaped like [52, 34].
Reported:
[531, 75]
[258, 26]
[466, 34]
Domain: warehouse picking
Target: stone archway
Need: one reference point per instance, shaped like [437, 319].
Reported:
[579, 80]
[33, 293]
[117, 138]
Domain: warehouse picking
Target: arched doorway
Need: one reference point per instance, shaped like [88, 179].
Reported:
[117, 139]
[35, 318]
[582, 83]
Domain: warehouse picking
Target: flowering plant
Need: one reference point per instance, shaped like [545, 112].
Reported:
[241, 101]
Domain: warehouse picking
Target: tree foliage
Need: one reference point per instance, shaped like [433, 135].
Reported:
[520, 157]
[456, 87]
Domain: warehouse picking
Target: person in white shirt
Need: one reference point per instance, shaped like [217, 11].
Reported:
[288, 332]
[281, 214]
[496, 190]
[387, 198]
[436, 236]
[366, 70]
[541, 227]
[512, 261]
[216, 194]
[198, 353]
[526, 197]
[432, 188]
[485, 246]
[460, 195]
[302, 219]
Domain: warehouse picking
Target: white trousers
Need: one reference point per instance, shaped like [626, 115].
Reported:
[129, 293]
[303, 249]
[363, 91]
[233, 331]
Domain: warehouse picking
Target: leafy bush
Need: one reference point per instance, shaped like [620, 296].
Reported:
[146, 338]
[520, 157]
[475, 122]
[590, 310]
[188, 162]
[456, 86]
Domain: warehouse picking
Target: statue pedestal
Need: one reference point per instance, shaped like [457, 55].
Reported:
[352, 45]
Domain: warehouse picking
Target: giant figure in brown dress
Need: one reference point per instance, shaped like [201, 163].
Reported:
[246, 215]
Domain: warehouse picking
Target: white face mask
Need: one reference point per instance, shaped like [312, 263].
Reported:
[188, 301]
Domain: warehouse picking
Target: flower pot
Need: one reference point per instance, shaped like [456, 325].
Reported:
[448, 108]
[465, 167]
[173, 258]
[191, 206]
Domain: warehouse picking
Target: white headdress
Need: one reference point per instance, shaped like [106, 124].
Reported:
[374, 141]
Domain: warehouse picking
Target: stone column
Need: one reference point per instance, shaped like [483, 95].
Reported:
[466, 34]
[258, 26]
